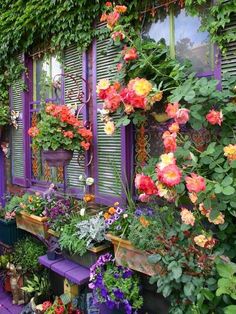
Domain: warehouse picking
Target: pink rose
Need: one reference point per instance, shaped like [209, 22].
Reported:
[144, 198]
[182, 116]
[214, 117]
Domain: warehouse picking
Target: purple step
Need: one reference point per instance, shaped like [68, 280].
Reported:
[6, 306]
[67, 269]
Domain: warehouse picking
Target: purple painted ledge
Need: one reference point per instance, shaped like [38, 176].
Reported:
[6, 306]
[72, 271]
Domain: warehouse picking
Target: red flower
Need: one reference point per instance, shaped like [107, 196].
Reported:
[46, 305]
[112, 102]
[108, 4]
[195, 183]
[214, 117]
[170, 175]
[59, 309]
[119, 67]
[145, 184]
[129, 54]
[34, 131]
[169, 141]
[85, 145]
[118, 35]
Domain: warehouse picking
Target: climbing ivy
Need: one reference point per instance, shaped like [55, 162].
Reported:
[26, 25]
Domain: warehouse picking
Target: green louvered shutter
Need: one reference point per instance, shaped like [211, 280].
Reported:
[19, 138]
[228, 60]
[109, 150]
[73, 65]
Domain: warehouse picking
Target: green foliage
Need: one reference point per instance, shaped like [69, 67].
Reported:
[4, 115]
[26, 254]
[38, 285]
[33, 204]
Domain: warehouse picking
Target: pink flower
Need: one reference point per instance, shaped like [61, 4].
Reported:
[214, 117]
[182, 116]
[169, 141]
[119, 67]
[195, 183]
[170, 175]
[172, 109]
[174, 128]
[34, 131]
[145, 184]
[144, 198]
[68, 134]
[112, 18]
[187, 217]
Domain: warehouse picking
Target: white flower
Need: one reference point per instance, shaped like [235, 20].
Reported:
[89, 181]
[81, 178]
[125, 215]
[82, 211]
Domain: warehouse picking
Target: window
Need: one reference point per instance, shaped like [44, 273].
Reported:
[181, 33]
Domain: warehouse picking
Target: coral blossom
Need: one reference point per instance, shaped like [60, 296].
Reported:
[170, 175]
[120, 8]
[85, 145]
[145, 184]
[166, 160]
[129, 54]
[34, 131]
[68, 134]
[169, 141]
[111, 19]
[142, 87]
[118, 35]
[187, 217]
[182, 116]
[195, 183]
[174, 128]
[172, 109]
[214, 117]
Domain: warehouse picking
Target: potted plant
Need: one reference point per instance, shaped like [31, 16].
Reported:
[58, 134]
[53, 248]
[83, 240]
[31, 214]
[9, 233]
[4, 117]
[112, 286]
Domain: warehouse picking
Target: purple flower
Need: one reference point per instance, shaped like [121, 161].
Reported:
[128, 307]
[116, 216]
[127, 274]
[104, 292]
[110, 304]
[138, 212]
[118, 294]
[119, 210]
[116, 275]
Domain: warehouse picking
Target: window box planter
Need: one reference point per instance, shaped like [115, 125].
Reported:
[127, 255]
[53, 233]
[57, 158]
[90, 257]
[33, 224]
[9, 233]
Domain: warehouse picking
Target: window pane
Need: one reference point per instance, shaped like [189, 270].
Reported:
[56, 78]
[192, 44]
[158, 30]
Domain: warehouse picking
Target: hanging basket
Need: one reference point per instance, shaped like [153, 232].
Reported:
[57, 158]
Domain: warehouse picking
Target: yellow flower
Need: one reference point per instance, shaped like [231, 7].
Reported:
[107, 215]
[103, 84]
[144, 222]
[142, 87]
[193, 197]
[109, 128]
[116, 204]
[112, 210]
[157, 97]
[200, 240]
[219, 220]
[166, 160]
[88, 198]
[187, 217]
[230, 152]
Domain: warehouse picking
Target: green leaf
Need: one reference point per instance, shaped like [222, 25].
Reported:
[177, 272]
[227, 181]
[231, 309]
[189, 289]
[226, 270]
[229, 190]
[218, 189]
[153, 259]
[233, 164]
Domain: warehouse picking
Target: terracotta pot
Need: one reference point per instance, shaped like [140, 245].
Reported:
[127, 255]
[57, 158]
[32, 223]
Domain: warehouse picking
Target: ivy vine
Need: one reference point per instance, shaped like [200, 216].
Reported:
[27, 24]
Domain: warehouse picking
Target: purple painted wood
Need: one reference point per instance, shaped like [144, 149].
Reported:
[72, 271]
[2, 177]
[43, 260]
[6, 306]
[79, 275]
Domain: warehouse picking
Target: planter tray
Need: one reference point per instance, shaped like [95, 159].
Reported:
[67, 269]
[32, 223]
[127, 255]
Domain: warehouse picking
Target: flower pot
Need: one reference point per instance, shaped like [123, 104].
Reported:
[33, 224]
[52, 256]
[105, 310]
[57, 158]
[9, 234]
[90, 257]
[127, 255]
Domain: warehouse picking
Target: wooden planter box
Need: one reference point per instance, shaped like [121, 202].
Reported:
[9, 234]
[33, 224]
[53, 233]
[127, 255]
[90, 257]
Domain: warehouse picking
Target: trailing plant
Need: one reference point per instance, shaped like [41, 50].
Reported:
[116, 286]
[26, 254]
[4, 115]
[60, 128]
[9, 211]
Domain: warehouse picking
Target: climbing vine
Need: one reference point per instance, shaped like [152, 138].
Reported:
[27, 24]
